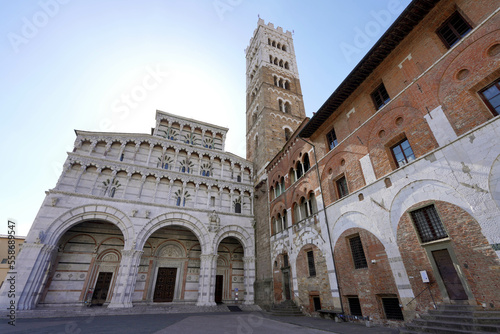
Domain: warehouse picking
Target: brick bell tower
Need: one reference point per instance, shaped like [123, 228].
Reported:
[275, 109]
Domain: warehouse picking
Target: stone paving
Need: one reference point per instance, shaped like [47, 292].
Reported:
[160, 320]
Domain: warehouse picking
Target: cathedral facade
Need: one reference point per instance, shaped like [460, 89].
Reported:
[138, 218]
[383, 203]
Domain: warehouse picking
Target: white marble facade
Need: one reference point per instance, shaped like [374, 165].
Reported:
[129, 204]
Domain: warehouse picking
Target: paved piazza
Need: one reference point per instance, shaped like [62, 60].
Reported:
[206, 323]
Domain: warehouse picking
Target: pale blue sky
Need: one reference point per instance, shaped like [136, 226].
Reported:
[69, 64]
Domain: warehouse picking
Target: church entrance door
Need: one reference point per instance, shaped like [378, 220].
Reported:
[165, 285]
[101, 288]
[219, 283]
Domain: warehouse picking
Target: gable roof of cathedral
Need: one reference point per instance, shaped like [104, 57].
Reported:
[403, 25]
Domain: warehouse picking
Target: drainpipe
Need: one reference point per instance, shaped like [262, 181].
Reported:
[326, 220]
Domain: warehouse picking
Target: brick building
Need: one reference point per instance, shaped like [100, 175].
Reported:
[398, 173]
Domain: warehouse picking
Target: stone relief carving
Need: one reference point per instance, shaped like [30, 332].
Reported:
[170, 251]
[213, 222]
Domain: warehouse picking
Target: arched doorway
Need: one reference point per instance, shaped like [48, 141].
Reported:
[85, 266]
[169, 268]
[230, 273]
[282, 278]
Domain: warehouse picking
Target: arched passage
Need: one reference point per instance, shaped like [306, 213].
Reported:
[230, 272]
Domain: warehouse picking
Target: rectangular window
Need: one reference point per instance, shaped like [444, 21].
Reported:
[358, 255]
[212, 201]
[491, 96]
[380, 97]
[402, 153]
[331, 137]
[428, 224]
[310, 262]
[342, 187]
[392, 309]
[453, 30]
[355, 306]
[285, 261]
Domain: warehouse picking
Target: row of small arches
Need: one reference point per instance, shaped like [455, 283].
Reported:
[296, 172]
[276, 44]
[282, 83]
[279, 62]
[306, 207]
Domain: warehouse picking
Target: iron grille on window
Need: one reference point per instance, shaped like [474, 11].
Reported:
[331, 137]
[358, 255]
[342, 187]
[380, 97]
[491, 96]
[355, 306]
[403, 153]
[453, 30]
[310, 262]
[392, 309]
[428, 224]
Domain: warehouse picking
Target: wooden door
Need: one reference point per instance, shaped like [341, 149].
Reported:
[219, 285]
[101, 288]
[286, 284]
[165, 285]
[449, 275]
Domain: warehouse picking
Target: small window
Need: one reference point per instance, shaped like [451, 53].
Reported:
[342, 187]
[428, 224]
[355, 306]
[287, 134]
[212, 201]
[237, 208]
[310, 263]
[491, 96]
[122, 156]
[380, 97]
[285, 223]
[285, 260]
[358, 255]
[165, 165]
[178, 203]
[402, 153]
[331, 137]
[238, 178]
[392, 309]
[112, 192]
[307, 164]
[453, 30]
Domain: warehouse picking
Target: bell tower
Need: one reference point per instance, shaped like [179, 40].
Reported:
[274, 110]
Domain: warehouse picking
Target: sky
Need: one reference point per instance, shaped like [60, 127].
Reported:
[108, 65]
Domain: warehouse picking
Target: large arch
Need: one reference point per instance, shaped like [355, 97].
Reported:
[236, 232]
[84, 213]
[352, 219]
[175, 218]
[424, 190]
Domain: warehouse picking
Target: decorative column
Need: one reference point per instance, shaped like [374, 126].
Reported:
[92, 146]
[122, 148]
[129, 176]
[197, 188]
[175, 158]
[126, 278]
[206, 289]
[249, 267]
[137, 146]
[106, 149]
[29, 275]
[209, 193]
[143, 180]
[83, 169]
[99, 170]
[221, 168]
[156, 187]
[169, 199]
[149, 155]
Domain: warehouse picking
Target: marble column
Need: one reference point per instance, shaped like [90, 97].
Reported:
[206, 289]
[126, 278]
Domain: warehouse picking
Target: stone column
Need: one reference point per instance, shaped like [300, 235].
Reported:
[143, 180]
[206, 289]
[151, 146]
[156, 187]
[83, 169]
[125, 281]
[129, 176]
[137, 146]
[122, 148]
[28, 276]
[99, 170]
[249, 266]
